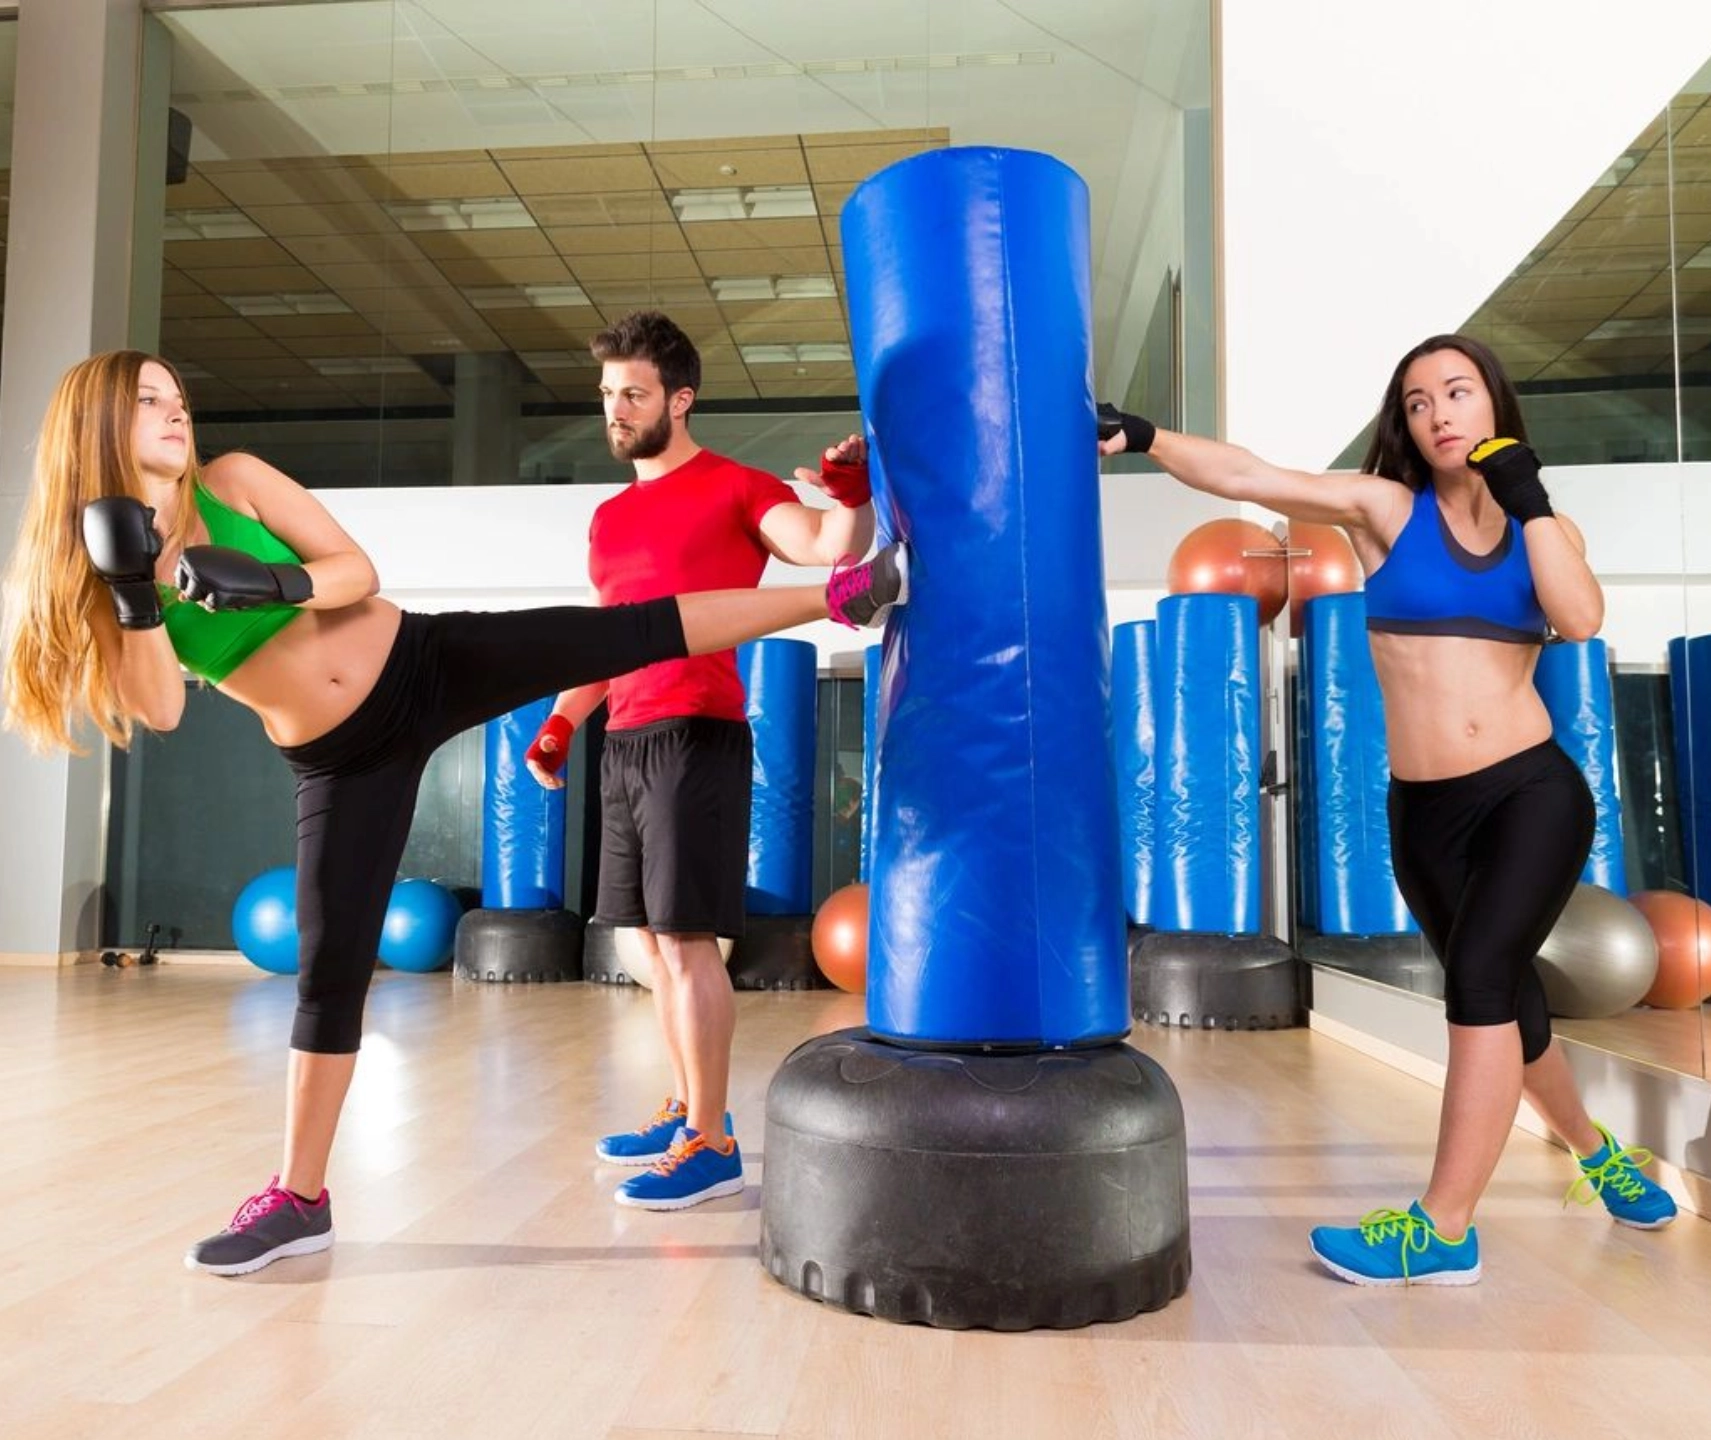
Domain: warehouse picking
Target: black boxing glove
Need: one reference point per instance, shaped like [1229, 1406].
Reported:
[1511, 473]
[220, 578]
[1138, 434]
[119, 534]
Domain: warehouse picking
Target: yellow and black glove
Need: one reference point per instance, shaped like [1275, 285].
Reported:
[1511, 473]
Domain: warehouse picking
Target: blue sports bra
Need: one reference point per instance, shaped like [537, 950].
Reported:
[1430, 585]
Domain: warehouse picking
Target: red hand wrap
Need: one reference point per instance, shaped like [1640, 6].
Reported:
[559, 730]
[846, 482]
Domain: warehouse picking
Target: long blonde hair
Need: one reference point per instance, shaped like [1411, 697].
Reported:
[55, 675]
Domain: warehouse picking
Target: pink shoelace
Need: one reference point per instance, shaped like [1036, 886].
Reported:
[259, 1207]
[845, 585]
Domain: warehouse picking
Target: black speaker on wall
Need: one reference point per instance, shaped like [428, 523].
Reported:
[177, 147]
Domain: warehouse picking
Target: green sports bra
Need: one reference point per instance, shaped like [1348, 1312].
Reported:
[212, 644]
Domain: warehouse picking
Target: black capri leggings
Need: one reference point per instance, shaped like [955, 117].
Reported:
[356, 785]
[1486, 862]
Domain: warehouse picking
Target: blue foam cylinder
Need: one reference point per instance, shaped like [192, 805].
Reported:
[1133, 650]
[779, 677]
[1346, 777]
[1208, 850]
[522, 832]
[996, 892]
[872, 667]
[1573, 679]
[1690, 706]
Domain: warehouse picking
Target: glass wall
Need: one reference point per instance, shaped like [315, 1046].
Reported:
[398, 223]
[1606, 327]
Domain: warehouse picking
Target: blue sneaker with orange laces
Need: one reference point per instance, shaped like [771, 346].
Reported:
[693, 1170]
[648, 1144]
[1612, 1174]
[1397, 1247]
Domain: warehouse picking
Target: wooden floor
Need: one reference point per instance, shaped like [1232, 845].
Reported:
[484, 1285]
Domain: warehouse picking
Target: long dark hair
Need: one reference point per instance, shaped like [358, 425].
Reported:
[1393, 453]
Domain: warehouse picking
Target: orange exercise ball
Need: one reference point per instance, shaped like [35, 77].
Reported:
[839, 938]
[1683, 929]
[1321, 562]
[1230, 557]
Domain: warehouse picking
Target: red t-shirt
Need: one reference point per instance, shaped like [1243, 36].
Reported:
[694, 528]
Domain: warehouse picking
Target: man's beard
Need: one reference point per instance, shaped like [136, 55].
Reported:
[640, 444]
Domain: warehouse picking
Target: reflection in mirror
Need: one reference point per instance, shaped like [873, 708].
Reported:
[1606, 327]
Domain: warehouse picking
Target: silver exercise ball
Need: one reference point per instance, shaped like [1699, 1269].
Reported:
[1599, 958]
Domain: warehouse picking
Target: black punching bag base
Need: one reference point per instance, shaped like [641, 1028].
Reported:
[518, 946]
[1215, 982]
[959, 1190]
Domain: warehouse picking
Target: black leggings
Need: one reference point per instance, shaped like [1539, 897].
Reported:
[356, 785]
[1486, 862]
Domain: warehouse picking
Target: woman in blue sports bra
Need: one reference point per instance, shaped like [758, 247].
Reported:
[132, 560]
[1467, 568]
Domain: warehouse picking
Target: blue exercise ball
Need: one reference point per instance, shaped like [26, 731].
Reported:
[421, 924]
[264, 920]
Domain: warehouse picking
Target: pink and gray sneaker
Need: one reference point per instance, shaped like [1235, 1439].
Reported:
[267, 1227]
[862, 595]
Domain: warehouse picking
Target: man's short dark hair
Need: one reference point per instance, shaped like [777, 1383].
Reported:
[649, 335]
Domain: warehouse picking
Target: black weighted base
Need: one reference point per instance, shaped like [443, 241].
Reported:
[518, 946]
[1403, 961]
[1216, 982]
[774, 953]
[1011, 1192]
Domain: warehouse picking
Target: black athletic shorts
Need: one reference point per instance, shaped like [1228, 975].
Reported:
[674, 821]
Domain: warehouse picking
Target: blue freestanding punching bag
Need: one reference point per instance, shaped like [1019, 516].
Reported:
[1346, 775]
[779, 679]
[522, 834]
[521, 930]
[1690, 714]
[996, 901]
[1133, 648]
[872, 667]
[988, 1084]
[1573, 679]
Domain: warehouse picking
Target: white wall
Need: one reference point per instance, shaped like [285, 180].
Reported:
[1385, 166]
[499, 547]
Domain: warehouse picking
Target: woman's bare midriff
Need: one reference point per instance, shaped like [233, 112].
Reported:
[1453, 705]
[315, 672]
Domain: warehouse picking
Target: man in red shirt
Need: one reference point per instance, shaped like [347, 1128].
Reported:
[675, 775]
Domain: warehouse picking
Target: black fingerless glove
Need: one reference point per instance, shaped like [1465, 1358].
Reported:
[1138, 434]
[1511, 472]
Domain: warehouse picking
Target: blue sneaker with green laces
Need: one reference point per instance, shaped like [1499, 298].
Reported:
[1612, 1174]
[1397, 1247]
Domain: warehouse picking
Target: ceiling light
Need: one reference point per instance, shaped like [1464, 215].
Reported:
[742, 287]
[493, 214]
[804, 353]
[723, 203]
[346, 365]
[806, 287]
[727, 202]
[525, 297]
[1701, 261]
[780, 202]
[210, 225]
[318, 302]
